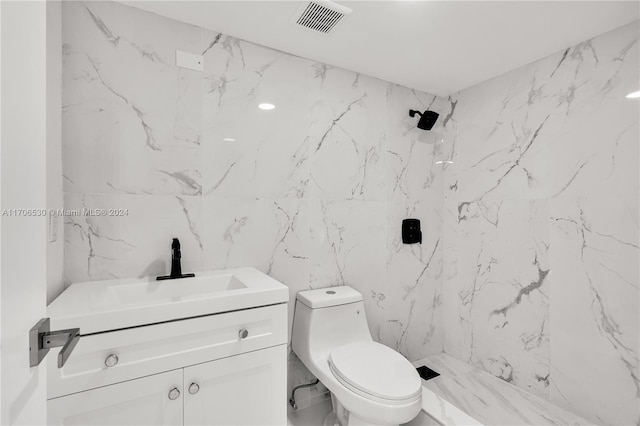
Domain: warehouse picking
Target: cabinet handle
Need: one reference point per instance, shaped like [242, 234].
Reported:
[194, 388]
[111, 360]
[174, 394]
[243, 333]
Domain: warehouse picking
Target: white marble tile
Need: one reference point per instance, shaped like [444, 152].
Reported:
[346, 135]
[494, 402]
[453, 337]
[260, 232]
[412, 296]
[270, 235]
[413, 190]
[411, 172]
[320, 398]
[441, 412]
[561, 126]
[347, 247]
[300, 192]
[559, 133]
[503, 272]
[595, 308]
[268, 154]
[312, 416]
[120, 133]
[133, 245]
[488, 399]
[445, 364]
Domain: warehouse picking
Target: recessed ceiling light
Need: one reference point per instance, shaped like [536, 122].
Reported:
[266, 106]
[229, 139]
[634, 95]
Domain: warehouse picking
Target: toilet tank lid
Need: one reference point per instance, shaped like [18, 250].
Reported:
[330, 296]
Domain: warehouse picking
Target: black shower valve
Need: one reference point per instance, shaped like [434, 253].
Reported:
[411, 232]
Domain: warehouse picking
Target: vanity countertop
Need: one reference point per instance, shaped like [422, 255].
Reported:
[99, 306]
[464, 394]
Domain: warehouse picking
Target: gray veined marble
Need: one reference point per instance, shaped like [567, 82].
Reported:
[596, 313]
[348, 131]
[530, 225]
[540, 228]
[300, 191]
[132, 245]
[121, 136]
[248, 151]
[504, 307]
[486, 399]
[412, 174]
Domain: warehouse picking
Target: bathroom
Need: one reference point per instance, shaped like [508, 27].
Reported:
[292, 158]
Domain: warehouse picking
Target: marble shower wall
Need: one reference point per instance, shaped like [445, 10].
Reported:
[312, 193]
[541, 238]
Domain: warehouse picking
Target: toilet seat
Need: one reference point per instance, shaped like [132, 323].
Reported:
[376, 372]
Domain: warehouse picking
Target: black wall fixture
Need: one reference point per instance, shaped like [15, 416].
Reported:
[411, 232]
[427, 118]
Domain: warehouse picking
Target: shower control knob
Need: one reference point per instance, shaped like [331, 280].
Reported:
[174, 394]
[111, 360]
[194, 388]
[243, 333]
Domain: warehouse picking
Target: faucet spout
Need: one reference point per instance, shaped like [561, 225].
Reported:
[176, 267]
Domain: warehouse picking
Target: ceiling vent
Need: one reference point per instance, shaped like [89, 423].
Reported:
[320, 15]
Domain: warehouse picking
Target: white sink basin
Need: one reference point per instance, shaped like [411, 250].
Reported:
[113, 304]
[185, 288]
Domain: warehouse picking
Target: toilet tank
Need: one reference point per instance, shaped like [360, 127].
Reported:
[326, 318]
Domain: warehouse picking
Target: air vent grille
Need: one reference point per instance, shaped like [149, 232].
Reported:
[320, 18]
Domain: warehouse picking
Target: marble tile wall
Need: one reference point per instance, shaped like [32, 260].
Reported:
[535, 236]
[540, 228]
[312, 193]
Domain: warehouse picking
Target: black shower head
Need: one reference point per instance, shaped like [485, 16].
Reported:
[427, 118]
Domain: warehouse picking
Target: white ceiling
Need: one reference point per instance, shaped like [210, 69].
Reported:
[438, 47]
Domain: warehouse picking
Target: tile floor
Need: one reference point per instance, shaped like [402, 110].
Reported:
[311, 416]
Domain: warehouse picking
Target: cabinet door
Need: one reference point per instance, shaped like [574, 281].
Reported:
[143, 401]
[247, 389]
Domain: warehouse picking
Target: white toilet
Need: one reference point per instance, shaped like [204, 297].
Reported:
[370, 383]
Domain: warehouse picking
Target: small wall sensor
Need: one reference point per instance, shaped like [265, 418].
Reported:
[411, 232]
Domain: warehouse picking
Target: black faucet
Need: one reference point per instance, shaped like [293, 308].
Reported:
[176, 269]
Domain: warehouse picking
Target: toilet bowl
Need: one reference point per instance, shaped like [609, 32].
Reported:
[370, 384]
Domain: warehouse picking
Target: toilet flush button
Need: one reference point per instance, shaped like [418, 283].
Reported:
[331, 292]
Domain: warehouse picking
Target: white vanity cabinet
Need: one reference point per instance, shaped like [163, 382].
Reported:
[247, 387]
[221, 369]
[142, 401]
